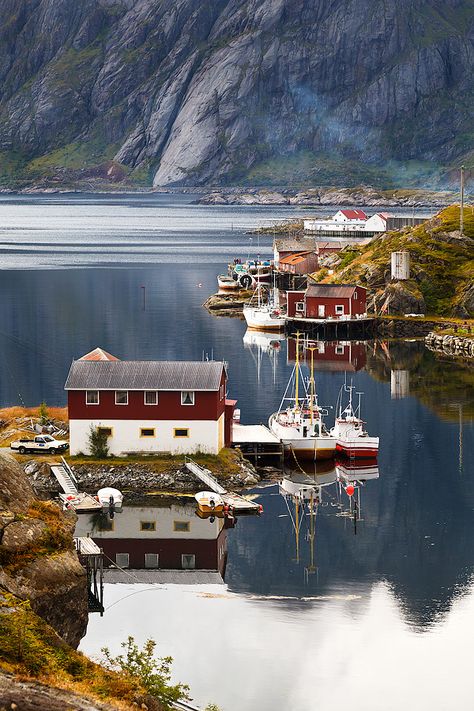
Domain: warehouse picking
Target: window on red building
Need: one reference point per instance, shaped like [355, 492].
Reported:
[121, 397]
[92, 397]
[187, 397]
[151, 397]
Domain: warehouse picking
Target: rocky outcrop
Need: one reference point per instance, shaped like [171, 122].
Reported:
[33, 696]
[38, 561]
[138, 479]
[361, 196]
[450, 344]
[194, 92]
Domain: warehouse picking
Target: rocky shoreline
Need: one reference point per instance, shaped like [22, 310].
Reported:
[450, 345]
[360, 197]
[135, 480]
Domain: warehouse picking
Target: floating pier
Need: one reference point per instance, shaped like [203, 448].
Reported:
[256, 441]
[71, 496]
[237, 504]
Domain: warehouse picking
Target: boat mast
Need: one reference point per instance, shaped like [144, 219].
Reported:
[297, 369]
[311, 384]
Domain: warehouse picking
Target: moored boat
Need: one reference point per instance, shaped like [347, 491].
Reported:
[263, 316]
[110, 498]
[224, 281]
[300, 426]
[209, 502]
[352, 439]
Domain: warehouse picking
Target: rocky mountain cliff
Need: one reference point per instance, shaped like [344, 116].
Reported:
[37, 557]
[259, 91]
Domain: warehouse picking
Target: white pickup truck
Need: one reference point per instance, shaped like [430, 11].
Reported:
[41, 443]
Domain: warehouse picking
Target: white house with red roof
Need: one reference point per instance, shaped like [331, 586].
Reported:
[148, 406]
[351, 223]
[351, 216]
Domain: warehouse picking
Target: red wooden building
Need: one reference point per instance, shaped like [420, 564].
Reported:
[299, 263]
[148, 406]
[327, 301]
[329, 356]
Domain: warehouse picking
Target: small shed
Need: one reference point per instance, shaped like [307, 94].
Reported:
[323, 301]
[299, 263]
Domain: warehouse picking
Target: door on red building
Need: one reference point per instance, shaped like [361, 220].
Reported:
[321, 310]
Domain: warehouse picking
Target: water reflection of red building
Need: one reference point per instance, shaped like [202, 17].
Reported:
[159, 537]
[329, 355]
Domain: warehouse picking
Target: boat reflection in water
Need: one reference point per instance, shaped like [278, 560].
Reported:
[166, 542]
[336, 485]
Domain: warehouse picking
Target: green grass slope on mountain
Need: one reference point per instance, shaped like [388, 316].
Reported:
[441, 267]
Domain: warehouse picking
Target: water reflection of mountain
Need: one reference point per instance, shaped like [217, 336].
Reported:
[166, 536]
[443, 385]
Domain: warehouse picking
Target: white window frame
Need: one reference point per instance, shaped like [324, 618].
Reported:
[123, 565]
[150, 404]
[188, 555]
[98, 397]
[339, 350]
[156, 557]
[193, 398]
[121, 391]
[299, 307]
[339, 309]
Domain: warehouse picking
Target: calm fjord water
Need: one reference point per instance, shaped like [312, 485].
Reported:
[385, 619]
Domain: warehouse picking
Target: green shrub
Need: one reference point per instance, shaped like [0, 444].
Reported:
[98, 446]
[154, 674]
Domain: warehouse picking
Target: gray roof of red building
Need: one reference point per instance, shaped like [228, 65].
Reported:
[335, 291]
[144, 375]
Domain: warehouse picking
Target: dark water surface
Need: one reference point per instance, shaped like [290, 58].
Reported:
[384, 618]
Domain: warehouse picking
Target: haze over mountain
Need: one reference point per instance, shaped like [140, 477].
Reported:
[234, 91]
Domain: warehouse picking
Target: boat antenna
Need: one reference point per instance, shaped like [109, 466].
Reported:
[358, 404]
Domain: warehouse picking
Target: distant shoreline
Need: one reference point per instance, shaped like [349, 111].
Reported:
[260, 196]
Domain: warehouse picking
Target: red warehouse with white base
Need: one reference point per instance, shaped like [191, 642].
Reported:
[148, 406]
[323, 301]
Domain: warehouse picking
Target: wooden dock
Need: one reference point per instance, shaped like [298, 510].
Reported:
[235, 503]
[332, 329]
[91, 558]
[256, 441]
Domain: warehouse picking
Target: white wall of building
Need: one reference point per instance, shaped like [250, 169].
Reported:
[333, 226]
[376, 223]
[204, 435]
[128, 524]
[341, 217]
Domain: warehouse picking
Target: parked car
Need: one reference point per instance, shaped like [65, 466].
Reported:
[41, 443]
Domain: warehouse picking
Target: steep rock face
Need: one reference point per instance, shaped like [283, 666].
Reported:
[204, 91]
[37, 561]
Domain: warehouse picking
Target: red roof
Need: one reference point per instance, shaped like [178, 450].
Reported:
[354, 214]
[295, 258]
[98, 354]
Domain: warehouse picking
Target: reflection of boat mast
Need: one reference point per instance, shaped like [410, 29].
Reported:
[460, 443]
[311, 568]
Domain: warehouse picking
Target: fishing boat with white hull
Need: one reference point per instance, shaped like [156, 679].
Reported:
[352, 439]
[300, 426]
[262, 316]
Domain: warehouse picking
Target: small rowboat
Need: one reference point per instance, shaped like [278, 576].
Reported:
[110, 498]
[209, 502]
[227, 282]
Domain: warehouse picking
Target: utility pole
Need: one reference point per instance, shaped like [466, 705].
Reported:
[461, 218]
